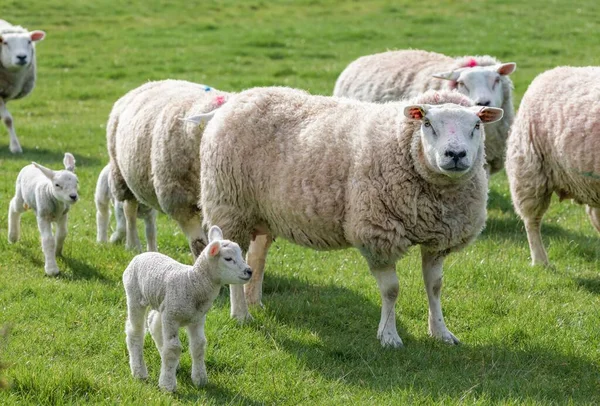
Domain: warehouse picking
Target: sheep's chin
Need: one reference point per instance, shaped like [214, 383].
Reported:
[454, 174]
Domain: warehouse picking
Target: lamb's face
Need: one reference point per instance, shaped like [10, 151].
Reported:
[232, 267]
[17, 49]
[65, 186]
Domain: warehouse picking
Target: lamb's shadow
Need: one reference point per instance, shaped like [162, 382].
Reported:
[590, 284]
[47, 157]
[215, 393]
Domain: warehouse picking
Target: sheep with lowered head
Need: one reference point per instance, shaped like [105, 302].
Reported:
[17, 71]
[553, 148]
[331, 173]
[396, 75]
[179, 296]
[154, 153]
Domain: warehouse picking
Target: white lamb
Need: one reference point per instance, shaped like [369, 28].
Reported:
[103, 199]
[17, 71]
[50, 195]
[397, 75]
[332, 173]
[154, 153]
[553, 148]
[179, 296]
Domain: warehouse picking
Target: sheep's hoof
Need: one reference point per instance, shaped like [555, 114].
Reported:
[201, 379]
[168, 386]
[242, 317]
[52, 270]
[12, 238]
[116, 238]
[447, 337]
[16, 149]
[390, 339]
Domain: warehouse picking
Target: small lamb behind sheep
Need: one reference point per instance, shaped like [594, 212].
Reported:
[50, 195]
[179, 295]
[17, 71]
[397, 75]
[553, 148]
[103, 199]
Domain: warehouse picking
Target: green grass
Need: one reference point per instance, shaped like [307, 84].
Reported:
[530, 335]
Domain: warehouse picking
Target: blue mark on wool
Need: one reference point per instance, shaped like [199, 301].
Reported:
[207, 89]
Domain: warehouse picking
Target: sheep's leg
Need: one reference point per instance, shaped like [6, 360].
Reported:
[130, 208]
[15, 209]
[134, 328]
[48, 246]
[5, 115]
[432, 267]
[533, 227]
[387, 280]
[171, 350]
[61, 234]
[197, 348]
[155, 327]
[192, 228]
[102, 221]
[594, 213]
[150, 222]
[256, 257]
[121, 230]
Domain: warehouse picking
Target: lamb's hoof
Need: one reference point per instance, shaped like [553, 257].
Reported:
[116, 238]
[254, 301]
[51, 270]
[242, 317]
[201, 379]
[447, 337]
[390, 339]
[16, 149]
[13, 238]
[168, 386]
[142, 375]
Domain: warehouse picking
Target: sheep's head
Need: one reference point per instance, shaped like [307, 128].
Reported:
[64, 183]
[482, 84]
[227, 256]
[17, 47]
[452, 136]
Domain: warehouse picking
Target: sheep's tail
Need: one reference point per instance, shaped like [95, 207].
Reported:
[201, 118]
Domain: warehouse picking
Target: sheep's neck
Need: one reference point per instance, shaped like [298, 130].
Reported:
[206, 287]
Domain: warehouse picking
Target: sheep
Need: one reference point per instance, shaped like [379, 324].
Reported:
[331, 173]
[396, 75]
[103, 199]
[552, 148]
[17, 71]
[50, 195]
[179, 296]
[154, 154]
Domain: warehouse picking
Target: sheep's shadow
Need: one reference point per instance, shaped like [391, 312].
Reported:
[592, 285]
[215, 393]
[499, 201]
[46, 157]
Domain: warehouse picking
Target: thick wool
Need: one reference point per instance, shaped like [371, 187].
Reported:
[154, 153]
[331, 173]
[399, 75]
[553, 148]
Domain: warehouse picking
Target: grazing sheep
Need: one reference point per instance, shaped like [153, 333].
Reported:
[154, 153]
[553, 148]
[17, 71]
[103, 199]
[50, 195]
[332, 173]
[179, 296]
[396, 75]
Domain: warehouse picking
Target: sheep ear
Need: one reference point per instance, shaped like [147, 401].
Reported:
[46, 171]
[37, 35]
[452, 75]
[200, 118]
[416, 111]
[214, 248]
[488, 114]
[215, 234]
[69, 162]
[506, 69]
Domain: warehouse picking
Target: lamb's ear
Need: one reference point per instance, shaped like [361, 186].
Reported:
[488, 114]
[37, 35]
[214, 248]
[200, 118]
[452, 75]
[46, 171]
[214, 234]
[69, 162]
[416, 111]
[506, 69]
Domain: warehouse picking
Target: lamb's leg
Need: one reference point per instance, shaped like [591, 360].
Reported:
[130, 208]
[61, 233]
[121, 230]
[48, 246]
[5, 115]
[257, 255]
[14, 218]
[192, 228]
[155, 327]
[594, 213]
[387, 280]
[150, 222]
[197, 348]
[432, 267]
[134, 328]
[102, 221]
[169, 355]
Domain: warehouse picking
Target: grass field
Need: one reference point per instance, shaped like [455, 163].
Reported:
[530, 335]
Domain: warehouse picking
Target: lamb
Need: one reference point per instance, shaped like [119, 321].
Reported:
[17, 71]
[50, 195]
[103, 199]
[179, 295]
[552, 148]
[154, 153]
[395, 75]
[331, 173]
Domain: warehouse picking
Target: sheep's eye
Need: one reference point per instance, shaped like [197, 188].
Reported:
[426, 123]
[29, 42]
[228, 259]
[477, 126]
[57, 185]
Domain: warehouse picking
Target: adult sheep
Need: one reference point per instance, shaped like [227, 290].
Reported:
[396, 75]
[331, 173]
[553, 148]
[154, 153]
[17, 71]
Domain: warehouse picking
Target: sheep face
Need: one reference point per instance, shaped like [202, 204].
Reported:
[231, 266]
[16, 50]
[64, 183]
[452, 136]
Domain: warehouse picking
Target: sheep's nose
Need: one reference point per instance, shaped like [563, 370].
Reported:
[73, 197]
[456, 155]
[22, 59]
[485, 103]
[248, 272]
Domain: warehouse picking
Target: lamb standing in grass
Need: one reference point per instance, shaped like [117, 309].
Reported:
[17, 71]
[154, 153]
[103, 199]
[179, 296]
[50, 195]
[553, 148]
[396, 75]
[332, 173]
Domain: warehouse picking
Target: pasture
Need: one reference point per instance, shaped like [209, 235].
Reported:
[530, 335]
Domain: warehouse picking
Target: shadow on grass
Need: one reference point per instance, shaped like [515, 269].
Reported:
[213, 392]
[592, 285]
[46, 157]
[499, 202]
